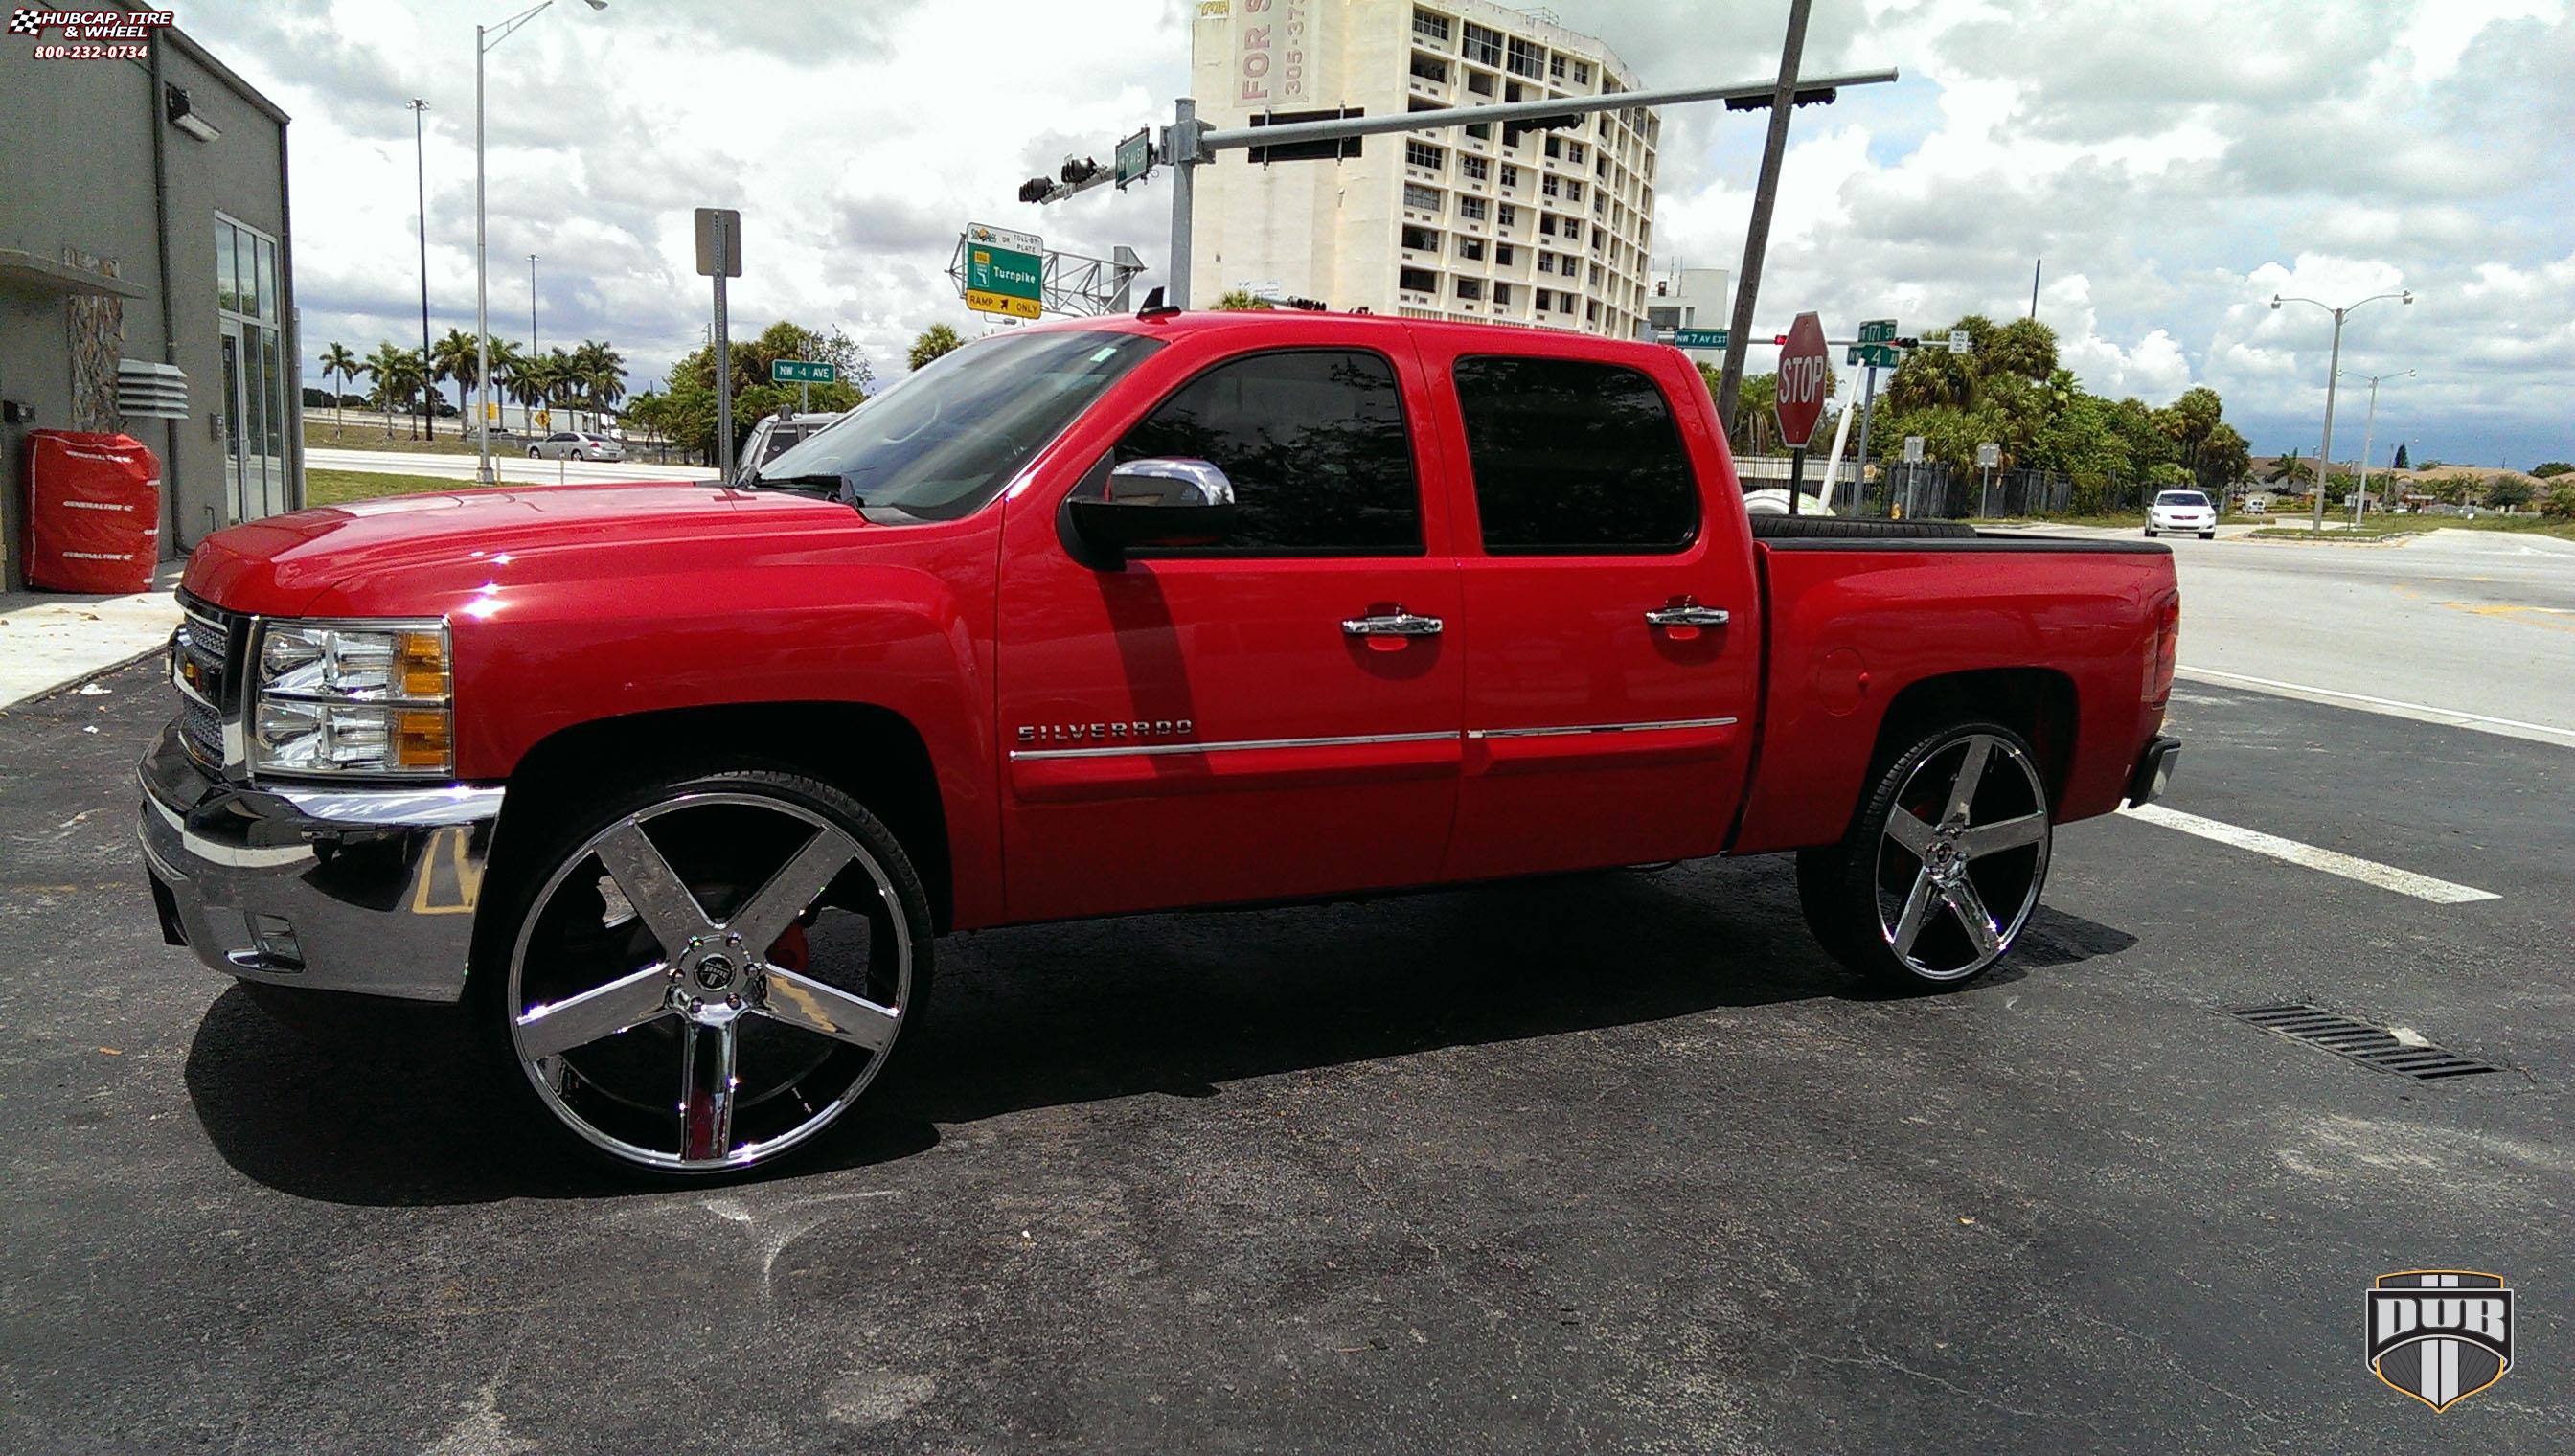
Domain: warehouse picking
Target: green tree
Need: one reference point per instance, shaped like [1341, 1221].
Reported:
[690, 408]
[1238, 301]
[454, 357]
[397, 374]
[2559, 502]
[2547, 470]
[340, 365]
[934, 341]
[2511, 493]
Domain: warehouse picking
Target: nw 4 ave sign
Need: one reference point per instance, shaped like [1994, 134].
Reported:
[1801, 381]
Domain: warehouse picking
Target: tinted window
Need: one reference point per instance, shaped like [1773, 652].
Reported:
[2182, 497]
[1571, 456]
[1315, 443]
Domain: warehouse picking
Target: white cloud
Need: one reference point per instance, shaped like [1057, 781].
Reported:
[2173, 163]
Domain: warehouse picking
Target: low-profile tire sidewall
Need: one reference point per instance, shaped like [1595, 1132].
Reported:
[517, 878]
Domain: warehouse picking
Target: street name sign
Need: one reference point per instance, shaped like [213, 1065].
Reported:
[1135, 155]
[1876, 346]
[802, 371]
[1801, 381]
[1005, 272]
[1695, 338]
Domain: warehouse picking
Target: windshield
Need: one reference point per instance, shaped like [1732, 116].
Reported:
[2182, 497]
[948, 436]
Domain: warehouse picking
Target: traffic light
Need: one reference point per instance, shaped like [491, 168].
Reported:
[1809, 96]
[1034, 189]
[1077, 170]
[1512, 130]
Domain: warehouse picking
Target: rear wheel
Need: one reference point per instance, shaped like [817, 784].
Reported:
[1943, 864]
[2150, 532]
[706, 974]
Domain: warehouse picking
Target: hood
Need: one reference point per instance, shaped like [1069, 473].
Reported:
[364, 554]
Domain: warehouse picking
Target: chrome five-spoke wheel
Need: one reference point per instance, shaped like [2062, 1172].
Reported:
[1944, 864]
[715, 974]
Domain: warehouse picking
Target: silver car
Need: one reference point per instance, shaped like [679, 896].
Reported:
[576, 444]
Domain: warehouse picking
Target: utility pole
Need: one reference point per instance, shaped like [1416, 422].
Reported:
[1756, 236]
[532, 306]
[2369, 437]
[420, 164]
[2333, 375]
[2034, 266]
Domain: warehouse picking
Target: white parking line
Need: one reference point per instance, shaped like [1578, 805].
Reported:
[2367, 871]
[2512, 727]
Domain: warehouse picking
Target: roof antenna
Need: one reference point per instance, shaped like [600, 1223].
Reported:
[1154, 307]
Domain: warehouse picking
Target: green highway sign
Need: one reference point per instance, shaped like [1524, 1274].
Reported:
[1876, 346]
[1135, 155]
[800, 371]
[1005, 272]
[1695, 338]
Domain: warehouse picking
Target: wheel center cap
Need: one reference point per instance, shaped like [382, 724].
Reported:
[714, 973]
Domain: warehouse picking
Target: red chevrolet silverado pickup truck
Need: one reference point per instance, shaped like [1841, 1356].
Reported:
[675, 786]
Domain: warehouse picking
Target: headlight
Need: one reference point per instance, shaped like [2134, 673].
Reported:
[356, 698]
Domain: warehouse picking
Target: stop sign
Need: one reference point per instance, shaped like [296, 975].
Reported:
[1801, 381]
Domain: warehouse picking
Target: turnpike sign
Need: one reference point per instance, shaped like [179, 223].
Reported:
[1801, 381]
[1004, 271]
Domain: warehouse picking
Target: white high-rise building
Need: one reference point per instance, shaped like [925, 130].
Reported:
[1549, 228]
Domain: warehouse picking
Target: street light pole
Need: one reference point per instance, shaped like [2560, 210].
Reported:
[2333, 374]
[532, 306]
[2369, 436]
[420, 163]
[485, 38]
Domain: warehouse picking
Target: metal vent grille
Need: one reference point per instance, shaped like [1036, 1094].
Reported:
[2370, 1045]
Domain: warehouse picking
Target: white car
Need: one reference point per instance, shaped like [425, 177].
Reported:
[2185, 511]
[576, 444]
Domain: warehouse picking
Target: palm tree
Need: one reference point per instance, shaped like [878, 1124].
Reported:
[340, 365]
[506, 359]
[600, 373]
[934, 341]
[397, 374]
[454, 357]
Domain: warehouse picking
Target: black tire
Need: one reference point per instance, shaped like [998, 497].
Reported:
[533, 454]
[2150, 532]
[2209, 536]
[599, 1089]
[1851, 890]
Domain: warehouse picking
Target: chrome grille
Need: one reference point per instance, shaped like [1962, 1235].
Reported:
[201, 663]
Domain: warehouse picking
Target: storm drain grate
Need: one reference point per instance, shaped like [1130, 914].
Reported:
[2370, 1045]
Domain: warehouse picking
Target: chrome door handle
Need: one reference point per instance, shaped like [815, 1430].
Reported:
[1689, 616]
[1398, 623]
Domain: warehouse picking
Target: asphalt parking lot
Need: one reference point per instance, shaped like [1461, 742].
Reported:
[1610, 1162]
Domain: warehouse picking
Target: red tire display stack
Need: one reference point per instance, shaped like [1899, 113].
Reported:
[93, 512]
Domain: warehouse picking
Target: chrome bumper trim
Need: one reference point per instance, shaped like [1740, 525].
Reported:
[374, 887]
[1601, 728]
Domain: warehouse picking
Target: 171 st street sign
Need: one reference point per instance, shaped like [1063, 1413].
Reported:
[1876, 346]
[802, 371]
[1005, 272]
[1801, 381]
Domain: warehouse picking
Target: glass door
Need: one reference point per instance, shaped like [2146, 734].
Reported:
[234, 500]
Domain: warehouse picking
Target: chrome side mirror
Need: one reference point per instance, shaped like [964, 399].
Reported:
[1168, 501]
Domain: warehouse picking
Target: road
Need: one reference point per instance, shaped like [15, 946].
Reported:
[513, 468]
[1607, 1162]
[2473, 621]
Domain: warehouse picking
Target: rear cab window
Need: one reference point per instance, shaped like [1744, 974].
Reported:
[1575, 457]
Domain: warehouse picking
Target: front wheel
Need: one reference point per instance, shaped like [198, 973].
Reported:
[706, 972]
[535, 454]
[1943, 864]
[2209, 536]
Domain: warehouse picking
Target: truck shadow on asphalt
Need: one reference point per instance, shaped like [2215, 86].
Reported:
[382, 1104]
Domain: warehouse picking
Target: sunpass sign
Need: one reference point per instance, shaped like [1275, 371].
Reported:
[1004, 271]
[1801, 381]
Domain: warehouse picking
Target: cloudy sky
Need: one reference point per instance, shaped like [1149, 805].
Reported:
[2175, 163]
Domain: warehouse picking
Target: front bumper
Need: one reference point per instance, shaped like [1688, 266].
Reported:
[2155, 771]
[351, 889]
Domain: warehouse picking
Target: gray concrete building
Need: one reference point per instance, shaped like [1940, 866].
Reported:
[144, 228]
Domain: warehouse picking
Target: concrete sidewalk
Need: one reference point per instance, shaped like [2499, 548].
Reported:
[49, 639]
